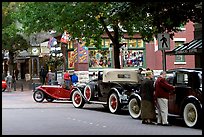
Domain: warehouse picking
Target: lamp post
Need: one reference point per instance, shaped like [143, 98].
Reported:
[57, 54]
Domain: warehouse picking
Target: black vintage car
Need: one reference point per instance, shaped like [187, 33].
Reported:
[186, 100]
[112, 89]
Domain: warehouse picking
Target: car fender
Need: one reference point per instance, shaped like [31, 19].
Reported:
[190, 99]
[44, 90]
[134, 95]
[119, 92]
[81, 93]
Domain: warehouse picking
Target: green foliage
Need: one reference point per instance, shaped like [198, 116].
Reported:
[88, 20]
[11, 39]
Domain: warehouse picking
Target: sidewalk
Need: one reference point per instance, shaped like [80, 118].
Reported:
[23, 85]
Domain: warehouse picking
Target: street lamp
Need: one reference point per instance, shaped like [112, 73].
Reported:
[57, 54]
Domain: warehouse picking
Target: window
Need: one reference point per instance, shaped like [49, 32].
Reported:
[179, 58]
[135, 43]
[133, 58]
[132, 43]
[106, 42]
[99, 59]
[140, 43]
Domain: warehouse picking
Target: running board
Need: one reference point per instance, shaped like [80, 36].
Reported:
[97, 102]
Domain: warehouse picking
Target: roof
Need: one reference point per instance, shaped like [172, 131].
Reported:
[191, 48]
[186, 69]
[120, 75]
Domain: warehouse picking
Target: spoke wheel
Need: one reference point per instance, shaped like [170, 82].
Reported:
[190, 115]
[113, 103]
[134, 108]
[38, 96]
[87, 92]
[77, 99]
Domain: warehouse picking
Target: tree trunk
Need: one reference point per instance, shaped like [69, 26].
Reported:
[116, 56]
[11, 62]
[64, 50]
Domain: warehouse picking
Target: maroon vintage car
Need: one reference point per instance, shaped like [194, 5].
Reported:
[186, 101]
[52, 92]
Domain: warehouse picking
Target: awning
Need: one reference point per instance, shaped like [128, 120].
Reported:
[191, 48]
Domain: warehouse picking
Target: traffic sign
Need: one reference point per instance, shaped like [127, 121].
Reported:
[163, 41]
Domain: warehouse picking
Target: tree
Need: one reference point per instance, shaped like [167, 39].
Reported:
[11, 39]
[89, 20]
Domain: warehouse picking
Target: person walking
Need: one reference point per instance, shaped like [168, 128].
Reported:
[162, 91]
[148, 114]
[67, 79]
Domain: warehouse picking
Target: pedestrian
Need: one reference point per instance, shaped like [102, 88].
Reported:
[16, 73]
[67, 80]
[49, 78]
[8, 81]
[162, 91]
[43, 74]
[74, 79]
[148, 114]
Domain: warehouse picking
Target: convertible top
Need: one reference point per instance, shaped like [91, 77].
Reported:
[120, 75]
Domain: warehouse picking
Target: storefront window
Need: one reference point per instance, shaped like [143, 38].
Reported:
[106, 42]
[179, 58]
[132, 43]
[140, 43]
[99, 58]
[133, 58]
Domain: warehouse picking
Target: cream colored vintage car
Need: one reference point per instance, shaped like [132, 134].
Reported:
[114, 89]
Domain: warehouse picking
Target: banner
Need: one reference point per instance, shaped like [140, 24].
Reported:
[65, 37]
[51, 42]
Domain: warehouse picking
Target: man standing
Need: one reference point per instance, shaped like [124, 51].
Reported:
[43, 74]
[162, 90]
[67, 79]
[74, 79]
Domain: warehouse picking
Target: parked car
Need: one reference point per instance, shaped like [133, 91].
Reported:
[186, 101]
[52, 92]
[112, 89]
[4, 85]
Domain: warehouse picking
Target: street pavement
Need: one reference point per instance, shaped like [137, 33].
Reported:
[21, 115]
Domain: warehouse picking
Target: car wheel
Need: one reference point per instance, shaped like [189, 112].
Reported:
[88, 92]
[77, 99]
[134, 107]
[191, 114]
[113, 103]
[38, 96]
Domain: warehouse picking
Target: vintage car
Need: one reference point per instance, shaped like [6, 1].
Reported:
[52, 92]
[186, 100]
[112, 89]
[4, 85]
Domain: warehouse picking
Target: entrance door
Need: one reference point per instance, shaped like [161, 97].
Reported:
[23, 70]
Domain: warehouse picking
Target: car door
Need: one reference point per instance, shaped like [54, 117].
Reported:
[180, 81]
